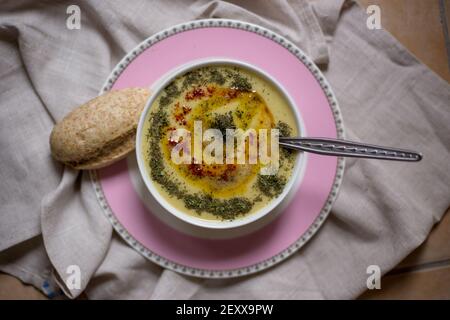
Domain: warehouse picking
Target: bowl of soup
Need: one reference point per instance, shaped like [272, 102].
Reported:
[207, 149]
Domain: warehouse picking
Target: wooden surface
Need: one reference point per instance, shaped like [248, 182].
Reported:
[425, 274]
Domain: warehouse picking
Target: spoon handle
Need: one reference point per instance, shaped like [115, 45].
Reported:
[337, 147]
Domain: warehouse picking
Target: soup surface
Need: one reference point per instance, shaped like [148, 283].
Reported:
[217, 97]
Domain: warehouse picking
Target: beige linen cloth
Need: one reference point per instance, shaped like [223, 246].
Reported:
[50, 218]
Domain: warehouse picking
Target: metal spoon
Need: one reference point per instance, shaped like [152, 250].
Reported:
[343, 148]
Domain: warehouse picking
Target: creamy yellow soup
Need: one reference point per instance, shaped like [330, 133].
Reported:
[217, 97]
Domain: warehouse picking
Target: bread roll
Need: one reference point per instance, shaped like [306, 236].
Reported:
[99, 132]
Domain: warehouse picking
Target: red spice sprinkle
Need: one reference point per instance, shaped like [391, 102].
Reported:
[230, 168]
[178, 117]
[173, 142]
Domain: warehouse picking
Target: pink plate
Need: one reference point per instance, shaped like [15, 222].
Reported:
[223, 258]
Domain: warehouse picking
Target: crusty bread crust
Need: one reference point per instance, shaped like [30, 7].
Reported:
[101, 131]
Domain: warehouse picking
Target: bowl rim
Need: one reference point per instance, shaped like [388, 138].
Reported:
[280, 201]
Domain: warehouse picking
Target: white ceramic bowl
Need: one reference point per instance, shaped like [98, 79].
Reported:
[266, 213]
